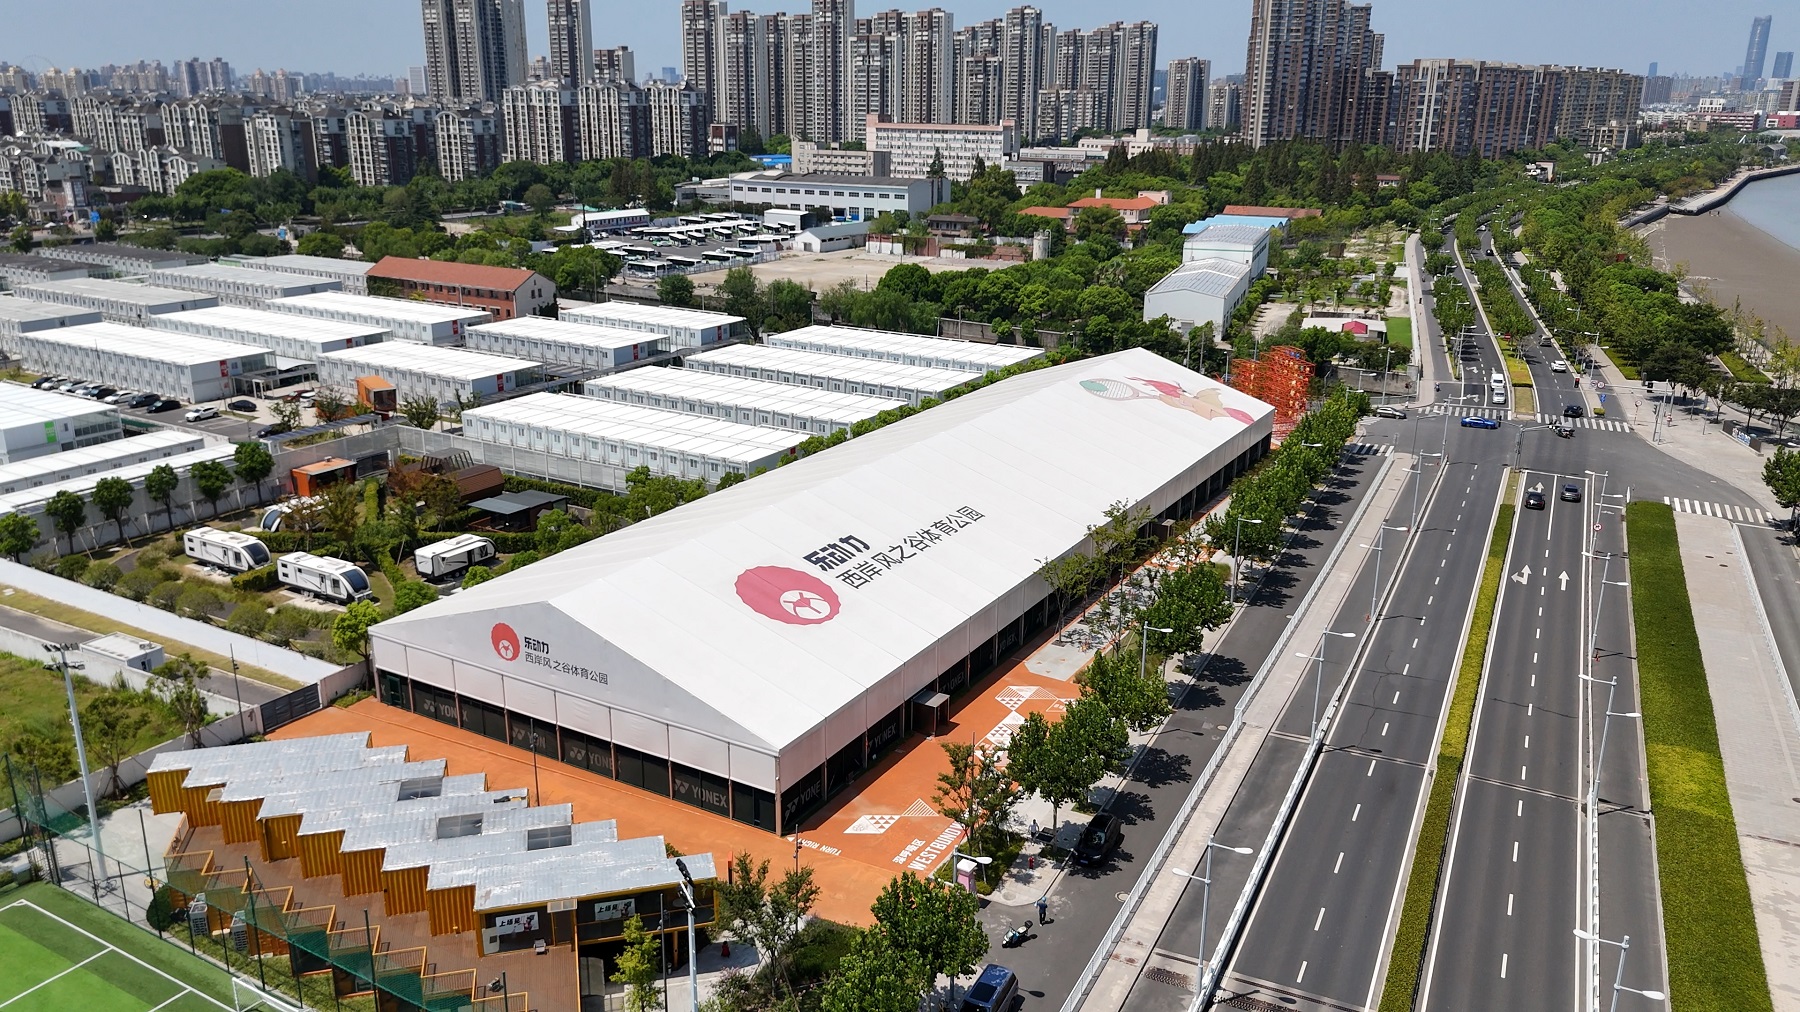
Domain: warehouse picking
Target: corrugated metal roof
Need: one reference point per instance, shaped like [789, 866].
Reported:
[588, 416]
[739, 392]
[563, 331]
[169, 346]
[284, 792]
[215, 765]
[21, 405]
[811, 363]
[452, 363]
[1244, 236]
[1211, 276]
[907, 349]
[115, 291]
[236, 275]
[33, 498]
[28, 311]
[376, 307]
[261, 322]
[664, 315]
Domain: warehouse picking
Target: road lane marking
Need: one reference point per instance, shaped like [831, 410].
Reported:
[1404, 668]
[1503, 966]
[1319, 919]
[1371, 769]
[1509, 901]
[1540, 611]
[1430, 598]
[1521, 812]
[1301, 976]
[1521, 773]
[1528, 708]
[1436, 580]
[1528, 741]
[1356, 812]
[1415, 645]
[1534, 657]
[1396, 699]
[1534, 680]
[1340, 863]
[1538, 635]
[1515, 852]
[1384, 727]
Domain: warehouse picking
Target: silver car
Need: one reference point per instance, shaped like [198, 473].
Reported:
[1389, 411]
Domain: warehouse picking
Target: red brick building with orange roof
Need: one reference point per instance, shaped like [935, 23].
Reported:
[506, 292]
[1135, 210]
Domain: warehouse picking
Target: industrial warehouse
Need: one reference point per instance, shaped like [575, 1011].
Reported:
[115, 301]
[845, 596]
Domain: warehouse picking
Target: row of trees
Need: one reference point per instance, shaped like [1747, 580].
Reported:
[1265, 498]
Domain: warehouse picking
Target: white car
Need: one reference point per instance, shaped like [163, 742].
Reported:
[121, 397]
[1389, 411]
[201, 413]
[1559, 366]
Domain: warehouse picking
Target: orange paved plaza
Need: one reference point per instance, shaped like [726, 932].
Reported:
[885, 824]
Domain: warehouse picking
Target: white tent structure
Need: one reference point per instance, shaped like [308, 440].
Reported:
[750, 652]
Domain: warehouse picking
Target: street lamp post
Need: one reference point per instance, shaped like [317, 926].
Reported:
[1519, 440]
[1206, 889]
[1380, 542]
[1237, 563]
[687, 894]
[1318, 656]
[1144, 643]
[61, 650]
[1624, 944]
[1600, 602]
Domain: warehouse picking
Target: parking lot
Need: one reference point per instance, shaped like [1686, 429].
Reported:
[229, 424]
[668, 242]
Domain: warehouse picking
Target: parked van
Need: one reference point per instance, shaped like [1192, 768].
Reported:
[994, 991]
[447, 558]
[321, 576]
[232, 551]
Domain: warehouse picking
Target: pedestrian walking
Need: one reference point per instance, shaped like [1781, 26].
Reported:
[1034, 829]
[1043, 907]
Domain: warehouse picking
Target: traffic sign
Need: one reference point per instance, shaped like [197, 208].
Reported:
[1596, 527]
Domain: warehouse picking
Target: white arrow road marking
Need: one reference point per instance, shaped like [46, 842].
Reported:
[1563, 577]
[1523, 575]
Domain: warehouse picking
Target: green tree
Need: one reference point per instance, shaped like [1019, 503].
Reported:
[933, 923]
[410, 594]
[111, 724]
[1054, 761]
[330, 404]
[1140, 699]
[48, 748]
[936, 169]
[160, 912]
[322, 243]
[211, 478]
[18, 535]
[1190, 600]
[253, 464]
[639, 963]
[767, 915]
[476, 575]
[180, 684]
[350, 630]
[421, 410]
[788, 306]
[540, 198]
[873, 976]
[975, 792]
[743, 297]
[1782, 474]
[1099, 222]
[21, 239]
[675, 290]
[68, 512]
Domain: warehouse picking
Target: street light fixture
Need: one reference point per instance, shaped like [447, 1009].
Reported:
[1624, 944]
[1519, 440]
[61, 650]
[1237, 539]
[1206, 888]
[1144, 643]
[1318, 655]
[1380, 543]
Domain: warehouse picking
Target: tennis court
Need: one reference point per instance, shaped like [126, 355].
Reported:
[49, 963]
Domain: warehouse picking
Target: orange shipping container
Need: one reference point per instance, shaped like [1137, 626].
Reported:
[403, 891]
[319, 853]
[452, 910]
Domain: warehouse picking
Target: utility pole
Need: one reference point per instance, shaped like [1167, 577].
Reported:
[61, 650]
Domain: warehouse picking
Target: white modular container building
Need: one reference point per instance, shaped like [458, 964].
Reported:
[241, 286]
[837, 373]
[286, 335]
[405, 320]
[144, 515]
[121, 258]
[97, 459]
[37, 423]
[905, 349]
[558, 342]
[625, 437]
[750, 402]
[23, 316]
[116, 301]
[685, 329]
[445, 374]
[352, 274]
[25, 268]
[175, 365]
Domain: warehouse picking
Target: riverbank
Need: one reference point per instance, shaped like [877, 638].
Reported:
[1704, 202]
[1734, 263]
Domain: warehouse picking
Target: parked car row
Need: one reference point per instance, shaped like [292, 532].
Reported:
[152, 402]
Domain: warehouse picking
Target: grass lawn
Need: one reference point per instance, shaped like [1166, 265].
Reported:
[70, 615]
[35, 696]
[1434, 832]
[59, 952]
[1715, 962]
[1399, 332]
[1741, 370]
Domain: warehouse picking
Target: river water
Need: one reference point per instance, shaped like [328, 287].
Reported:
[1773, 206]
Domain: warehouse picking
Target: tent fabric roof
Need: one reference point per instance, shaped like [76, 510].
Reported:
[989, 484]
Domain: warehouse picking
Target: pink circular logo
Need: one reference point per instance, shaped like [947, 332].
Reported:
[506, 642]
[787, 595]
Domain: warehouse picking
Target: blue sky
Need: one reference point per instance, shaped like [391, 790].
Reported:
[383, 37]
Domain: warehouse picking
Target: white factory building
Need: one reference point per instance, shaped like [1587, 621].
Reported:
[116, 301]
[1199, 291]
[158, 444]
[905, 349]
[240, 286]
[145, 515]
[444, 374]
[191, 368]
[683, 328]
[844, 598]
[750, 402]
[407, 320]
[35, 423]
[352, 274]
[616, 439]
[288, 336]
[1245, 244]
[559, 342]
[837, 373]
[23, 316]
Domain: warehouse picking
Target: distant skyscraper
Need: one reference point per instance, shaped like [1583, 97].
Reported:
[416, 81]
[474, 49]
[1025, 51]
[1652, 69]
[1185, 95]
[828, 106]
[700, 44]
[1784, 65]
[572, 41]
[1311, 71]
[1756, 53]
[1223, 101]
[615, 64]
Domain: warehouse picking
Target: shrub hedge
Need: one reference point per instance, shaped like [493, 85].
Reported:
[257, 580]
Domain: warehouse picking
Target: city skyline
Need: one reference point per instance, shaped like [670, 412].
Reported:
[1607, 34]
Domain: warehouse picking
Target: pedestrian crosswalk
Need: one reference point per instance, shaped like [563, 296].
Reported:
[1505, 414]
[1607, 424]
[1735, 514]
[1370, 449]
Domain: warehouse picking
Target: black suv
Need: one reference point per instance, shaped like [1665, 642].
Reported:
[1574, 411]
[143, 400]
[1098, 840]
[1534, 500]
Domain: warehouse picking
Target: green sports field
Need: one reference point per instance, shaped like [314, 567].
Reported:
[57, 953]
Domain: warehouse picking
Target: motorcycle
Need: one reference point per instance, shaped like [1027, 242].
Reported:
[1016, 936]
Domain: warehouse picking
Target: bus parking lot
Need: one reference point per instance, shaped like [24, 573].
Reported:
[699, 242]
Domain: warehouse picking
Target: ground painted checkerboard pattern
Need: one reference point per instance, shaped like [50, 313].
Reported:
[48, 965]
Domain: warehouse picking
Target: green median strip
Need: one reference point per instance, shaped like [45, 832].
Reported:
[1715, 961]
[1408, 959]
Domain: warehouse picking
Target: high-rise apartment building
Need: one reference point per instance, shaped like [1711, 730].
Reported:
[1312, 70]
[800, 61]
[678, 119]
[468, 142]
[700, 43]
[1025, 47]
[1784, 65]
[615, 64]
[196, 76]
[474, 49]
[1224, 103]
[828, 87]
[539, 123]
[276, 140]
[1185, 94]
[1756, 53]
[742, 94]
[571, 41]
[1497, 108]
[1658, 90]
[612, 120]
[382, 148]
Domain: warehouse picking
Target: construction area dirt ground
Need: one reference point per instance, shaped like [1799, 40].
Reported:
[886, 824]
[819, 271]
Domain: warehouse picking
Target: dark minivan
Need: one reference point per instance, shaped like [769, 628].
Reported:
[994, 991]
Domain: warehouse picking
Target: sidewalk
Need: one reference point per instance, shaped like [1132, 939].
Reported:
[1757, 736]
[1135, 952]
[1686, 433]
[1425, 347]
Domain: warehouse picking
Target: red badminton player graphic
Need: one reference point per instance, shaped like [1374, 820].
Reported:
[1205, 403]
